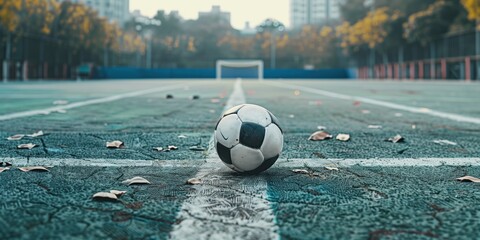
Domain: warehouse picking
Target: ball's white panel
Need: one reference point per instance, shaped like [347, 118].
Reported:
[245, 158]
[273, 142]
[228, 131]
[255, 114]
[231, 166]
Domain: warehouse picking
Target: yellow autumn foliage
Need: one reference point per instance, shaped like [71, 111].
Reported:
[370, 31]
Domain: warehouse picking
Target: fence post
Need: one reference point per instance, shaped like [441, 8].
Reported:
[432, 69]
[412, 71]
[25, 70]
[420, 70]
[468, 76]
[443, 63]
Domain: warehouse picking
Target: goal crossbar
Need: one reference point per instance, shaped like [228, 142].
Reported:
[239, 64]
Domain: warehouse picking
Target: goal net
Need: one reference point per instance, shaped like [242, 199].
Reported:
[239, 69]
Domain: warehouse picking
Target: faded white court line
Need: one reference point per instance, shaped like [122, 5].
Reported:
[427, 111]
[88, 102]
[226, 207]
[215, 163]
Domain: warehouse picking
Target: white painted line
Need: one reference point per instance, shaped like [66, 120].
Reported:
[88, 102]
[215, 163]
[226, 206]
[427, 111]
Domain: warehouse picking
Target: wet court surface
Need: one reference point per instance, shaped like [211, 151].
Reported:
[357, 201]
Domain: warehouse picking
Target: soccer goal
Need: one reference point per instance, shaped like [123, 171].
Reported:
[239, 69]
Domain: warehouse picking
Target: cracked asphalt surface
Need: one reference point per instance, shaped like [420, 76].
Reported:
[352, 203]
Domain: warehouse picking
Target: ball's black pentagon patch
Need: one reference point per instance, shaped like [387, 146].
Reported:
[252, 135]
[267, 163]
[233, 110]
[224, 153]
[275, 121]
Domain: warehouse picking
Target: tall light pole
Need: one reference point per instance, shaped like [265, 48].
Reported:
[272, 26]
[477, 42]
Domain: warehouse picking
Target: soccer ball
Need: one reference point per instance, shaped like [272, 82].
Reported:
[248, 138]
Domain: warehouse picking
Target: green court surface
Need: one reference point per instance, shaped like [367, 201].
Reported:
[408, 190]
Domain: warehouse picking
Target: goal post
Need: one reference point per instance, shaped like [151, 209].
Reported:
[239, 69]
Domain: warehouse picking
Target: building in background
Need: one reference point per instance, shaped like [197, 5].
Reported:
[304, 12]
[223, 17]
[114, 10]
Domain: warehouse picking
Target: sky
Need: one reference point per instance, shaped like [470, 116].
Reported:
[254, 11]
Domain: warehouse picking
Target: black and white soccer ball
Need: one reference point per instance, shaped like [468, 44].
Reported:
[248, 138]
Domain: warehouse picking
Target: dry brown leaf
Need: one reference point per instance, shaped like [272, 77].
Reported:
[445, 142]
[374, 126]
[2, 169]
[320, 136]
[172, 147]
[118, 193]
[16, 137]
[331, 168]
[343, 137]
[365, 111]
[37, 134]
[182, 136]
[469, 179]
[197, 149]
[160, 149]
[194, 181]
[136, 180]
[300, 171]
[115, 144]
[60, 102]
[215, 100]
[105, 196]
[396, 139]
[36, 168]
[26, 146]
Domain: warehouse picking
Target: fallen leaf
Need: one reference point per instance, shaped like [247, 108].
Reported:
[357, 103]
[197, 148]
[291, 116]
[36, 168]
[182, 136]
[16, 137]
[374, 126]
[60, 102]
[396, 139]
[296, 92]
[194, 181]
[300, 171]
[26, 146]
[414, 126]
[160, 149]
[37, 134]
[115, 144]
[469, 179]
[105, 196]
[320, 136]
[366, 111]
[215, 100]
[332, 168]
[445, 142]
[136, 180]
[212, 111]
[424, 110]
[118, 193]
[172, 147]
[2, 169]
[343, 137]
[398, 114]
[61, 111]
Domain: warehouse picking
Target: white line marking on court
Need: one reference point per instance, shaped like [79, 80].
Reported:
[427, 111]
[215, 163]
[88, 102]
[226, 206]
